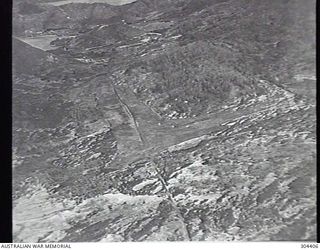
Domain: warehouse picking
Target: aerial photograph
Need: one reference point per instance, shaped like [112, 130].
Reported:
[163, 120]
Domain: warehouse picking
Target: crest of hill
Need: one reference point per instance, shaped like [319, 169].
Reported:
[28, 8]
[40, 18]
[107, 34]
[90, 12]
[141, 7]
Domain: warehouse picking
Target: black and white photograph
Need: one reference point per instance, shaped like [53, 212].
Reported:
[163, 121]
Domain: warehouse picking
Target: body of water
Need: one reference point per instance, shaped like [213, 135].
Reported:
[40, 42]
